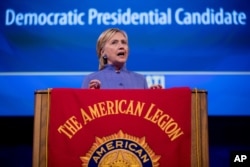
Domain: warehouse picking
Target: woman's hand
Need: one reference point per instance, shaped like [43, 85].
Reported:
[95, 84]
[155, 87]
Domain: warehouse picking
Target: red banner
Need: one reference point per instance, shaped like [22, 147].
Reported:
[136, 128]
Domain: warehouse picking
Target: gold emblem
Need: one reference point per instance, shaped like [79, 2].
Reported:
[120, 158]
[120, 150]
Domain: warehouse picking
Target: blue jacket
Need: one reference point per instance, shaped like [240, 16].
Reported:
[112, 79]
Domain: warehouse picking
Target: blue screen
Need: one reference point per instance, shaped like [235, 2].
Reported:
[50, 44]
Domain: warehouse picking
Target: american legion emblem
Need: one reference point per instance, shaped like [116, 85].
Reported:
[120, 150]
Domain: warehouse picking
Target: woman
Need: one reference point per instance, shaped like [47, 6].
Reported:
[112, 50]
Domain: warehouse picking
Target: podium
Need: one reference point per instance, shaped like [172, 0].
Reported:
[199, 128]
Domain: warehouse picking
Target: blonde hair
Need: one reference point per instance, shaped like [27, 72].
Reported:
[103, 38]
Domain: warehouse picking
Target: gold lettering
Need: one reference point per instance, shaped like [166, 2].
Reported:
[153, 114]
[156, 115]
[94, 111]
[176, 134]
[130, 108]
[120, 106]
[149, 111]
[138, 109]
[168, 122]
[161, 122]
[110, 107]
[164, 121]
[135, 110]
[171, 127]
[102, 108]
[85, 116]
[70, 127]
[117, 106]
[64, 131]
[173, 131]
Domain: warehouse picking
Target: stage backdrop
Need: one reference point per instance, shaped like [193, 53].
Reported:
[199, 44]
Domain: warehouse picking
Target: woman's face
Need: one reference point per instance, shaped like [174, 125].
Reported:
[116, 50]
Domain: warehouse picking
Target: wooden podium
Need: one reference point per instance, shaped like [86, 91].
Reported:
[199, 128]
